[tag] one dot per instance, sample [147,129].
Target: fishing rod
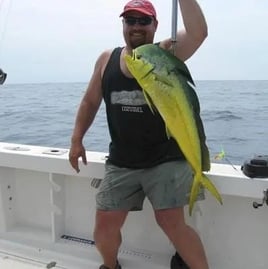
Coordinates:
[174,22]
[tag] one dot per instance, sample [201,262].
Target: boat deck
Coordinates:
[47,215]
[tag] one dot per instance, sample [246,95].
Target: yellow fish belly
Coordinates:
[173,106]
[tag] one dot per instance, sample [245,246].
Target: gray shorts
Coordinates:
[166,185]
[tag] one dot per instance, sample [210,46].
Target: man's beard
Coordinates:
[136,42]
[134,45]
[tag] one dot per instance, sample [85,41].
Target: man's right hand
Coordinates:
[77,150]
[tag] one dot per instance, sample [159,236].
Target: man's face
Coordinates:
[138,29]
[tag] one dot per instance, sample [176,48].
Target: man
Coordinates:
[142,160]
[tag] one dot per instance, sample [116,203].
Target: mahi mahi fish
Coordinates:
[168,88]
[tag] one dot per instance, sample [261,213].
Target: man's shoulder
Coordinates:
[108,52]
[104,59]
[105,55]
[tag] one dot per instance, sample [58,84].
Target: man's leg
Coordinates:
[107,234]
[184,238]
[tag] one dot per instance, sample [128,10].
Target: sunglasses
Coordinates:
[141,21]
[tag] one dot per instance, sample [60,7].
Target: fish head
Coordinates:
[139,63]
[151,58]
[148,59]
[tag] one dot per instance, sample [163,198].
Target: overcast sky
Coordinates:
[60,40]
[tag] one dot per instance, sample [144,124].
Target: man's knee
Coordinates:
[170,219]
[109,221]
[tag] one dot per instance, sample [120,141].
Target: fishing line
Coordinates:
[222,156]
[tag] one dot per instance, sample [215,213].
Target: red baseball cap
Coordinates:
[143,6]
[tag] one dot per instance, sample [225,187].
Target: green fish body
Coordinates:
[167,87]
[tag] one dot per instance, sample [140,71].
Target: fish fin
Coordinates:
[149,102]
[168,132]
[202,180]
[163,80]
[202,137]
[193,100]
[182,68]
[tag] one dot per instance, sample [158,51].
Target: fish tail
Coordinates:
[206,182]
[202,180]
[194,193]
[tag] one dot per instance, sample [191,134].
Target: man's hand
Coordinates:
[77,150]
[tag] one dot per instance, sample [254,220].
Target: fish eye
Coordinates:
[138,56]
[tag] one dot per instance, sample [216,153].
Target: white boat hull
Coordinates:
[47,216]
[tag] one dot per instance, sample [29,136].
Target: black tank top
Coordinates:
[138,137]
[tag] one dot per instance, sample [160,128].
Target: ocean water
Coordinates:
[234,113]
